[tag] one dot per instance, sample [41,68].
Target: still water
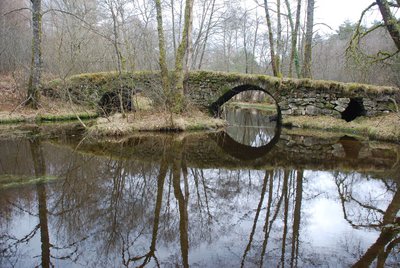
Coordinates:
[256,196]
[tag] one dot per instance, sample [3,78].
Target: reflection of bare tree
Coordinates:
[151,254]
[273,209]
[371,216]
[268,175]
[182,203]
[297,219]
[388,239]
[173,157]
[39,170]
[344,183]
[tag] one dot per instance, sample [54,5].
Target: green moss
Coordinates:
[12,120]
[258,106]
[329,106]
[66,117]
[13,181]
[195,127]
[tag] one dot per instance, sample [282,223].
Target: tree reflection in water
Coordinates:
[112,209]
[370,215]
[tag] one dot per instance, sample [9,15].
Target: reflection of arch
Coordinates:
[351,146]
[244,152]
[215,107]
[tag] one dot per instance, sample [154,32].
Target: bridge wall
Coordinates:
[294,96]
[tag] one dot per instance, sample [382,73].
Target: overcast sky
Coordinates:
[335,12]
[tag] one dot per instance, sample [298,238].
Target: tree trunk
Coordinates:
[173,26]
[308,39]
[178,97]
[162,51]
[253,52]
[279,42]
[207,34]
[189,47]
[275,67]
[294,27]
[36,64]
[118,54]
[391,23]
[246,56]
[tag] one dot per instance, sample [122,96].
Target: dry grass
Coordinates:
[49,110]
[13,110]
[148,120]
[385,127]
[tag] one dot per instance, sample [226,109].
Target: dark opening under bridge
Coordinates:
[293,96]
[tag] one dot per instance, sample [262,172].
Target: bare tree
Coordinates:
[36,65]
[175,99]
[308,39]
[274,57]
[294,27]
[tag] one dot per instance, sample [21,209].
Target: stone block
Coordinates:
[326,111]
[299,111]
[312,110]
[284,105]
[341,101]
[287,112]
[340,108]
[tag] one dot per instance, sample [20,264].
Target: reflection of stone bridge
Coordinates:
[216,150]
[294,97]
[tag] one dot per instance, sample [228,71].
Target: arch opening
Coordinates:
[354,109]
[253,132]
[215,107]
[110,101]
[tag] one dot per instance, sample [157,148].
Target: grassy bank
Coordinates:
[116,125]
[6,118]
[385,127]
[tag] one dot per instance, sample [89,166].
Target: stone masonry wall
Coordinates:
[294,96]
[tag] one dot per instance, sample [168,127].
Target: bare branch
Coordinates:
[88,25]
[17,10]
[356,35]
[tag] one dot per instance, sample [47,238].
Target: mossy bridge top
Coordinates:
[210,90]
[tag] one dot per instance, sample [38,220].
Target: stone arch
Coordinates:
[215,106]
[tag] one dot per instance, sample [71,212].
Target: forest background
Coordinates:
[81,36]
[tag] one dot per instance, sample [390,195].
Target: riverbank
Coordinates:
[384,127]
[146,118]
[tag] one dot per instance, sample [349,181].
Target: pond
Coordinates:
[256,196]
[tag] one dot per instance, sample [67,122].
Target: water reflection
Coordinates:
[166,201]
[251,127]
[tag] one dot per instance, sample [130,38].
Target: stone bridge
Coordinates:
[293,96]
